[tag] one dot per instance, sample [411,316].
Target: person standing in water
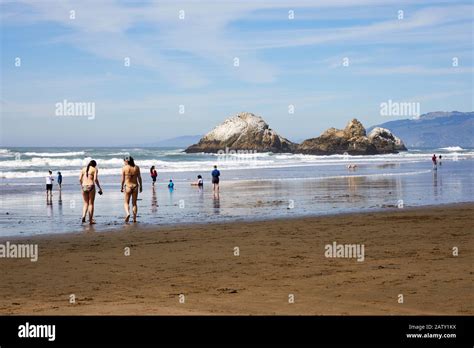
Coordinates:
[433,159]
[132,180]
[153,174]
[49,185]
[439,159]
[171,185]
[60,180]
[88,178]
[215,179]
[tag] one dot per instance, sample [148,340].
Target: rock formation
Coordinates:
[249,132]
[352,140]
[384,141]
[245,131]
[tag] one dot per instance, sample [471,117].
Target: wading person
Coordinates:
[60,180]
[215,179]
[132,180]
[435,164]
[88,179]
[49,185]
[153,174]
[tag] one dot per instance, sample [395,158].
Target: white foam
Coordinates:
[452,148]
[70,166]
[54,154]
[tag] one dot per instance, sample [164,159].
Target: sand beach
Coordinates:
[407,251]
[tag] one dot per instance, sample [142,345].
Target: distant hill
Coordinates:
[183,141]
[435,129]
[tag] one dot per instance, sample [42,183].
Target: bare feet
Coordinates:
[134,219]
[83,219]
[127,218]
[92,222]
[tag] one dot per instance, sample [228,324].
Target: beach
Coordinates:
[264,186]
[408,251]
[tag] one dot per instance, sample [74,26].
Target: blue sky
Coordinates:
[190,62]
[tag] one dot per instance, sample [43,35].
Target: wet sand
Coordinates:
[407,251]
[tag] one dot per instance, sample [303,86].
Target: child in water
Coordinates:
[60,180]
[199,182]
[171,185]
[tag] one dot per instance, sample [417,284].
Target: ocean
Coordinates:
[253,186]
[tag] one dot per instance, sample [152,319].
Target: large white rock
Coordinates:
[385,141]
[244,131]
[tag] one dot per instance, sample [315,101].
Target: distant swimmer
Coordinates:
[215,179]
[199,182]
[153,174]
[352,166]
[435,164]
[132,180]
[88,179]
[60,180]
[49,185]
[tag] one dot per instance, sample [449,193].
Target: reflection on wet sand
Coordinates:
[357,190]
[154,200]
[216,202]
[256,198]
[437,183]
[60,204]
[49,206]
[388,165]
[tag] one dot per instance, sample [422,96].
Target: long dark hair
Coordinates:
[91,164]
[130,161]
[152,169]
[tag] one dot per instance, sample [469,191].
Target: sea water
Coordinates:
[253,186]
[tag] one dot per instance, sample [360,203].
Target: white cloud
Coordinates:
[111,30]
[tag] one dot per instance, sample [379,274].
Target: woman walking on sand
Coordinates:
[132,180]
[88,179]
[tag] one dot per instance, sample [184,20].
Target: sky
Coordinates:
[153,70]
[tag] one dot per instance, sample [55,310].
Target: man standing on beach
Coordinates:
[49,185]
[215,179]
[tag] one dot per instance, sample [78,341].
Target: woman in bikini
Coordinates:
[132,180]
[88,179]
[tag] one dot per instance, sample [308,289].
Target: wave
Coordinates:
[119,154]
[452,148]
[6,153]
[234,161]
[54,154]
[65,173]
